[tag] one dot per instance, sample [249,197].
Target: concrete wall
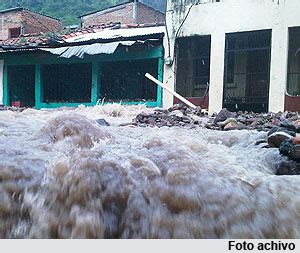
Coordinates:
[229,16]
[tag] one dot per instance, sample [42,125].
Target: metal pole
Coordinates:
[175,94]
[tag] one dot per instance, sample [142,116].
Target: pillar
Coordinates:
[160,78]
[1,81]
[279,63]
[95,83]
[38,87]
[217,72]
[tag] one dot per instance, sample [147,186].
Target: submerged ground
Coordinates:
[64,176]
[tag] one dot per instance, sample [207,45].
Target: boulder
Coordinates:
[231,126]
[275,139]
[288,168]
[290,149]
[102,122]
[288,125]
[227,121]
[281,129]
[176,113]
[223,115]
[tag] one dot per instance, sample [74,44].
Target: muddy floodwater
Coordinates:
[64,176]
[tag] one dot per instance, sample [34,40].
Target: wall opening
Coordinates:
[21,85]
[193,66]
[66,83]
[14,32]
[293,87]
[247,71]
[126,81]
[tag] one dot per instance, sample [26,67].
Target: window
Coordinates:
[14,32]
[67,83]
[293,87]
[193,65]
[126,81]
[247,71]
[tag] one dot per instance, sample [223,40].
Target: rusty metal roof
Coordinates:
[97,34]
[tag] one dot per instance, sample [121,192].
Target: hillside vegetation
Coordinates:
[69,10]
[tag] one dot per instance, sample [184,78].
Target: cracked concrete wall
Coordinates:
[230,16]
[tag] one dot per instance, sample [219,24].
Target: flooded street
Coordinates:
[64,176]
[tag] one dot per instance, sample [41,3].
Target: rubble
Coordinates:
[12,108]
[180,115]
[282,128]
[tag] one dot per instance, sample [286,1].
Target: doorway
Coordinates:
[247,71]
[21,85]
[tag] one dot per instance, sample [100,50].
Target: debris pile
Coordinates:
[177,115]
[180,115]
[11,108]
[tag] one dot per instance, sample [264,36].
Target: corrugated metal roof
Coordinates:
[117,33]
[80,51]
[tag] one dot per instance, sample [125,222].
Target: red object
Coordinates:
[292,103]
[195,100]
[16,103]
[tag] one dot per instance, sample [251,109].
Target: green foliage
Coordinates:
[69,10]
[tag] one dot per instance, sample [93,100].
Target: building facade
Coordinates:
[239,54]
[131,12]
[17,21]
[87,67]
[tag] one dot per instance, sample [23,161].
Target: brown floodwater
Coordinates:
[64,176]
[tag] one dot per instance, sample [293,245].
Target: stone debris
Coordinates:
[178,115]
[12,108]
[102,122]
[182,116]
[282,128]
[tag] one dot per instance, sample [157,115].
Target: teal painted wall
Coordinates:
[39,58]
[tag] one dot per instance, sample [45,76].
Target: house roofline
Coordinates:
[26,9]
[117,5]
[104,9]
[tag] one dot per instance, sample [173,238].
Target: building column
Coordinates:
[160,78]
[279,63]
[216,72]
[38,87]
[1,81]
[95,83]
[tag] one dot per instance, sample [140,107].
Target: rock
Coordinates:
[177,113]
[241,119]
[291,150]
[281,129]
[275,139]
[223,115]
[288,168]
[231,126]
[296,140]
[288,125]
[227,121]
[297,123]
[102,122]
[177,107]
[128,124]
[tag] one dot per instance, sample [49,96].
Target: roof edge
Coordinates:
[104,9]
[26,9]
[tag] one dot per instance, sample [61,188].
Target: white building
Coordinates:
[248,51]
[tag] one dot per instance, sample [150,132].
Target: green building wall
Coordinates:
[39,58]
